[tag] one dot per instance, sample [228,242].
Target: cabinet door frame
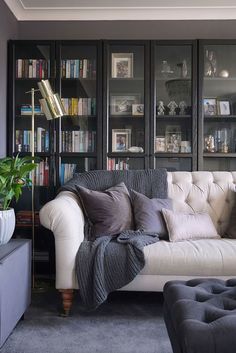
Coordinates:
[201,44]
[194,125]
[99,65]
[106,77]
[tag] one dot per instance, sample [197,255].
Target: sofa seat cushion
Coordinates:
[205,257]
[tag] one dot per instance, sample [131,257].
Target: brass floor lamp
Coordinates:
[52,107]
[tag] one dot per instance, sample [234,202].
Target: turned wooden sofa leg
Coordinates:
[67,298]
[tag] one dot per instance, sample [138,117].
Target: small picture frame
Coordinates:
[122,105]
[210,106]
[137,109]
[223,107]
[121,140]
[122,65]
[160,144]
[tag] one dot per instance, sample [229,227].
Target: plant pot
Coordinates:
[7,225]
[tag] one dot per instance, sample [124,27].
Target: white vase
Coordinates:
[7,225]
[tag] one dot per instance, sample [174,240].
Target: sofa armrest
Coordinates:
[64,217]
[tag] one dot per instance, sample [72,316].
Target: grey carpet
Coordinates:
[126,323]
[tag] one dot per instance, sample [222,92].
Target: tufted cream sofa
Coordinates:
[212,192]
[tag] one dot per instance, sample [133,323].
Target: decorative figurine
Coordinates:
[160,108]
[182,107]
[172,106]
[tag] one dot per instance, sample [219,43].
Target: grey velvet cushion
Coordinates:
[109,212]
[148,215]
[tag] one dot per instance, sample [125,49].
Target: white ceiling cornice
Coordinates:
[33,10]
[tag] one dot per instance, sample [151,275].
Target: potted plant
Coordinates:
[14,175]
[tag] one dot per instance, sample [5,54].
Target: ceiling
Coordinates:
[87,10]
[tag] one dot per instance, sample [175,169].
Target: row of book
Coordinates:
[78,68]
[32,68]
[117,164]
[80,106]
[24,218]
[67,172]
[78,141]
[24,139]
[41,173]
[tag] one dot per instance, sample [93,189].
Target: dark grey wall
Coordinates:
[8,30]
[127,30]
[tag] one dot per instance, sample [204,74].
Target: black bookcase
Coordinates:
[131,104]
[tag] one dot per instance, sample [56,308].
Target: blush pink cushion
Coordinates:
[182,226]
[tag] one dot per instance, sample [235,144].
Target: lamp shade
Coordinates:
[51,103]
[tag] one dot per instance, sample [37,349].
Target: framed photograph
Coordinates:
[160,144]
[210,106]
[223,107]
[121,140]
[137,109]
[122,65]
[122,105]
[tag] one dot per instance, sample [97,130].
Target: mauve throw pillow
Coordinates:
[182,226]
[148,215]
[109,211]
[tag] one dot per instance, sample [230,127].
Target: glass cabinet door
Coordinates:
[78,130]
[126,120]
[217,146]
[29,63]
[174,111]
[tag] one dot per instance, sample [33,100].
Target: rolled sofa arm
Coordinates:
[64,217]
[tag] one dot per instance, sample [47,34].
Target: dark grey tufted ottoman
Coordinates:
[200,315]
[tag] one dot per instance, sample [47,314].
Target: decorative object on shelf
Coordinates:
[135,149]
[224,74]
[182,108]
[160,144]
[179,90]
[222,140]
[53,108]
[210,65]
[122,65]
[121,140]
[122,105]
[210,106]
[165,69]
[14,175]
[137,109]
[223,107]
[172,106]
[160,108]
[209,143]
[185,147]
[183,69]
[173,138]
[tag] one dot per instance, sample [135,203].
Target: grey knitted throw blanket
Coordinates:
[110,263]
[150,182]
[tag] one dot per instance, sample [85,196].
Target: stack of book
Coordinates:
[26,109]
[78,68]
[80,106]
[32,68]
[24,218]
